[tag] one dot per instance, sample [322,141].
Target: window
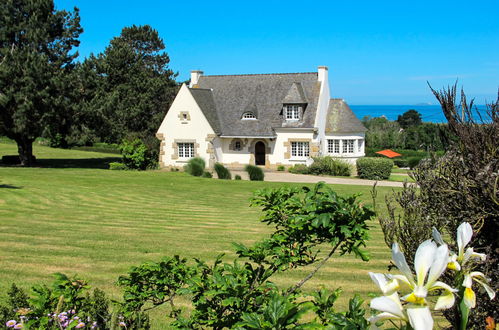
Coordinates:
[360,143]
[348,146]
[185,150]
[237,145]
[299,149]
[292,111]
[249,115]
[184,115]
[333,146]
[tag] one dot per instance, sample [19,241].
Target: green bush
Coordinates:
[281,168]
[222,172]
[374,168]
[401,162]
[136,155]
[237,177]
[330,166]
[195,166]
[299,169]
[255,173]
[207,175]
[412,162]
[117,166]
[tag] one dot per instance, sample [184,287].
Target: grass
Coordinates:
[71,216]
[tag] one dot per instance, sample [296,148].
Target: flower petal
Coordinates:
[439,264]
[445,301]
[487,288]
[399,260]
[452,263]
[424,259]
[467,282]
[472,254]
[436,236]
[441,285]
[383,316]
[420,318]
[389,304]
[464,233]
[469,298]
[387,286]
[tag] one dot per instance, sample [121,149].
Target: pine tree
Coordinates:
[35,58]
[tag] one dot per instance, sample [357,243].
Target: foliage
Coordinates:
[409,118]
[461,186]
[207,175]
[117,166]
[412,162]
[222,172]
[195,166]
[299,169]
[35,69]
[135,155]
[328,165]
[255,173]
[374,168]
[127,88]
[241,293]
[65,304]
[280,168]
[237,177]
[401,162]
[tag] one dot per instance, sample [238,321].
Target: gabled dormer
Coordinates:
[294,103]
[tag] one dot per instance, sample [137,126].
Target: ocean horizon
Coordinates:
[429,113]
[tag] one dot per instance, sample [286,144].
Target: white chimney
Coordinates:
[322,70]
[195,77]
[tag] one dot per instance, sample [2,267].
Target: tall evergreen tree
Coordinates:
[133,88]
[36,56]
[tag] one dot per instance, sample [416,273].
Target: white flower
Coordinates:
[430,262]
[469,295]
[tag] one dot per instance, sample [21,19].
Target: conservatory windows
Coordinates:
[344,146]
[348,146]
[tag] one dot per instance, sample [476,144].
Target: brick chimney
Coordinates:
[195,77]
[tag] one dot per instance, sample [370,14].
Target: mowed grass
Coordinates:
[97,223]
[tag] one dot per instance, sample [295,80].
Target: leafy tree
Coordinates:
[409,118]
[128,88]
[35,59]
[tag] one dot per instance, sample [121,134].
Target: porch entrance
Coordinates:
[259,153]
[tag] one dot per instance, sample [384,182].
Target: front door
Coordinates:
[259,153]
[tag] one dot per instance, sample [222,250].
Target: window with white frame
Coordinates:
[300,149]
[333,146]
[185,150]
[249,115]
[348,146]
[360,143]
[292,111]
[237,146]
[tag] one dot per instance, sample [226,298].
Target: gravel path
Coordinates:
[289,177]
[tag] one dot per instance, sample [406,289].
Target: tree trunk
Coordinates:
[25,150]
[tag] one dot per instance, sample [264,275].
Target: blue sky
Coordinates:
[378,52]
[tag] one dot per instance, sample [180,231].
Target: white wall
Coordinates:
[284,135]
[350,157]
[173,128]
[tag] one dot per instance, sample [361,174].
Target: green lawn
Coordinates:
[71,216]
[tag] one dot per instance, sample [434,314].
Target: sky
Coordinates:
[377,52]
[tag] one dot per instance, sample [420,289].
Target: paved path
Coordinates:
[289,177]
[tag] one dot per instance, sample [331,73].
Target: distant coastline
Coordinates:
[429,113]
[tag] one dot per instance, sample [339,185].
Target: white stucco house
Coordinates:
[259,119]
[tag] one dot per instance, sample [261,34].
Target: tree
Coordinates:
[35,58]
[409,118]
[133,87]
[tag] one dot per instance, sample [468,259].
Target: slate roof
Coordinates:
[341,119]
[262,94]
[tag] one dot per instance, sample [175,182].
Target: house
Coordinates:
[259,119]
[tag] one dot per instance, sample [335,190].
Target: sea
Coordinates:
[429,113]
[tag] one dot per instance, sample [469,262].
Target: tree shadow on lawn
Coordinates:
[95,163]
[8,186]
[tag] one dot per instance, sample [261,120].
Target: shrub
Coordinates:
[207,175]
[136,156]
[281,168]
[412,162]
[237,177]
[195,166]
[299,169]
[330,166]
[222,172]
[374,168]
[401,162]
[117,166]
[255,173]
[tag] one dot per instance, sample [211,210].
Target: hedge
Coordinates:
[373,168]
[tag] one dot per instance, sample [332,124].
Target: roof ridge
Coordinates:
[257,74]
[202,89]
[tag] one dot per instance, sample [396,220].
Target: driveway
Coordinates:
[289,177]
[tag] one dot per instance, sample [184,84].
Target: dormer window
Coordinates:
[292,111]
[249,115]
